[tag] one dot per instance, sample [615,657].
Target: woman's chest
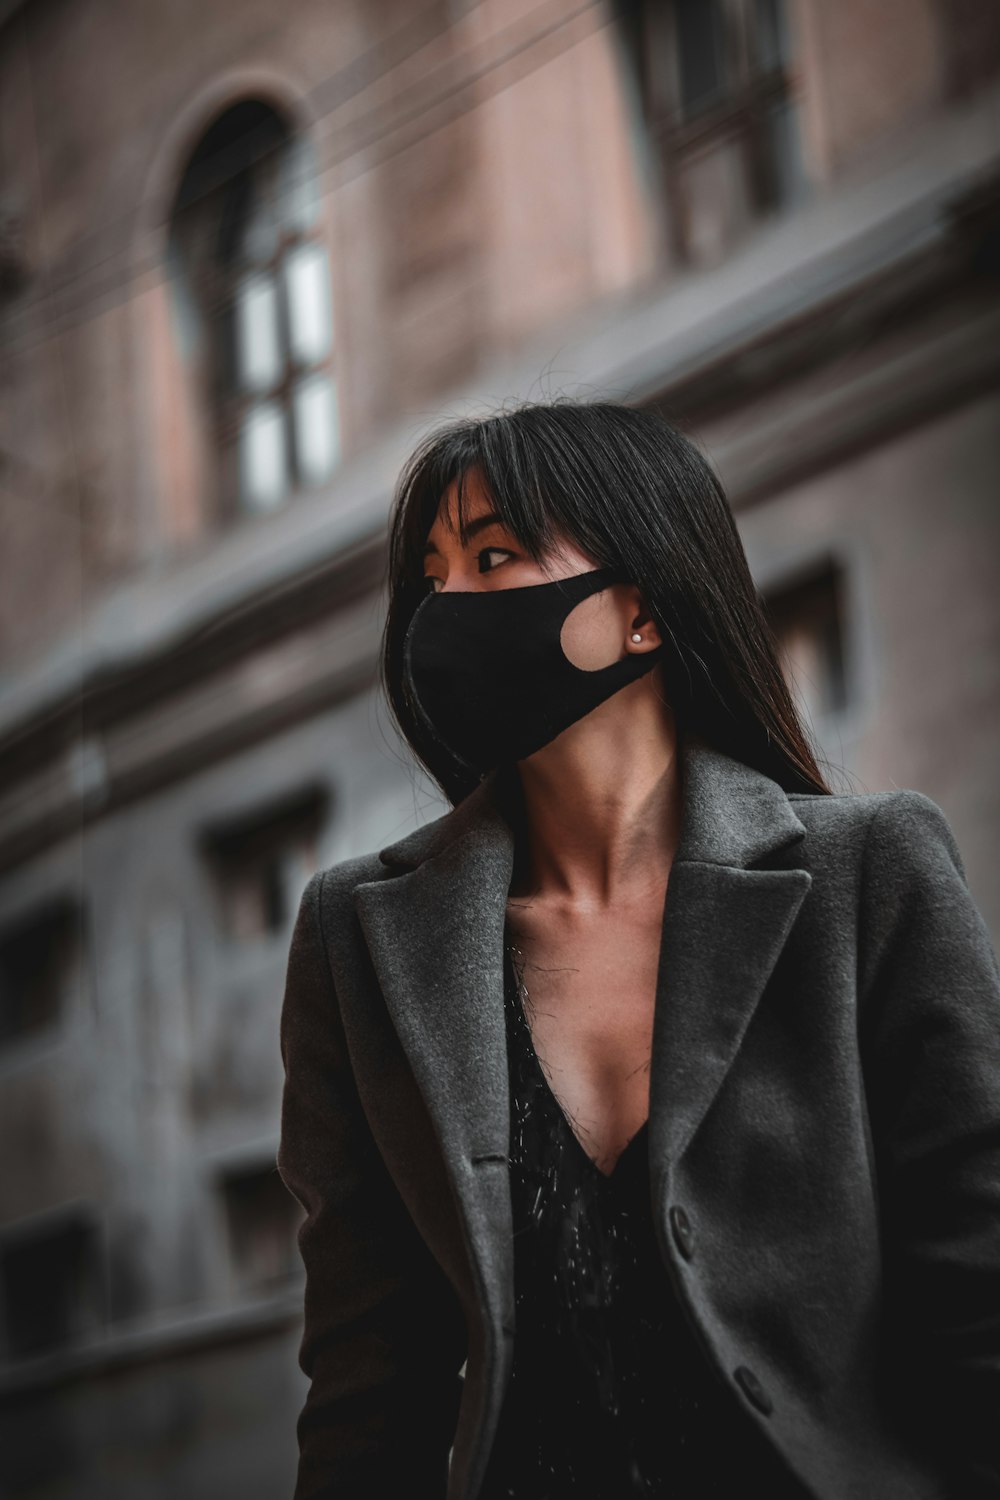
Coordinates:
[588,990]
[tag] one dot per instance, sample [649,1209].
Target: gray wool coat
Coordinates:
[824,1108]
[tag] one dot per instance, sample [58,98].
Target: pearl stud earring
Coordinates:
[637,637]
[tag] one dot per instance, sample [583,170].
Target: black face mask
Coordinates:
[489,677]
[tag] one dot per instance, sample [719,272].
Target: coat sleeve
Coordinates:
[930,1026]
[383,1339]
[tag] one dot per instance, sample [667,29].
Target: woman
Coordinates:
[645,1106]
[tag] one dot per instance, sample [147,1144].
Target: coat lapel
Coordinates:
[435,933]
[724,926]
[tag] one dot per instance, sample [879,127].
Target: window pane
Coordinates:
[316,427]
[658,62]
[299,193]
[307,281]
[258,349]
[51,1287]
[807,617]
[788,180]
[713,199]
[259,237]
[40,968]
[700,52]
[260,863]
[769,34]
[263,459]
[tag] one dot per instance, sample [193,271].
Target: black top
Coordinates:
[610,1393]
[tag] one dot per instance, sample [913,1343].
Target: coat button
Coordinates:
[753,1390]
[683,1234]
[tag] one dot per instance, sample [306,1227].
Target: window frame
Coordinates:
[741,112]
[266,169]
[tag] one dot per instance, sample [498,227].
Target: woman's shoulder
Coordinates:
[889,875]
[335,882]
[878,858]
[902,825]
[327,903]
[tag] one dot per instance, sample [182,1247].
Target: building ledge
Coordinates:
[176,1333]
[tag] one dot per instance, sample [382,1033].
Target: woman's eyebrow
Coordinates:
[475,526]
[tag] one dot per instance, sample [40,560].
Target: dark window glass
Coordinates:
[52,1287]
[261,862]
[807,618]
[769,35]
[701,54]
[41,960]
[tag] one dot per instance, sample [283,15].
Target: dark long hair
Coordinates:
[634,492]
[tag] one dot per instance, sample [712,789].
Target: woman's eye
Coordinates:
[501,552]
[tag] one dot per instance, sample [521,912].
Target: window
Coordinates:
[262,1218]
[807,618]
[41,967]
[253,307]
[52,1286]
[716,84]
[262,862]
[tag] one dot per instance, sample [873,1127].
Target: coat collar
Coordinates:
[435,930]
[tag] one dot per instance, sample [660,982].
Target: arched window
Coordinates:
[251,291]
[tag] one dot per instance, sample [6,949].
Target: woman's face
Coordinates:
[597,631]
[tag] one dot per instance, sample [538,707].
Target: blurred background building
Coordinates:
[249,252]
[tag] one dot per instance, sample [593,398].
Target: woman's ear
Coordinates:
[642,624]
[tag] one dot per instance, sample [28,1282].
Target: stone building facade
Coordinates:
[248,255]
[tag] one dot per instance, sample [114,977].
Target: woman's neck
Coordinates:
[597,811]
